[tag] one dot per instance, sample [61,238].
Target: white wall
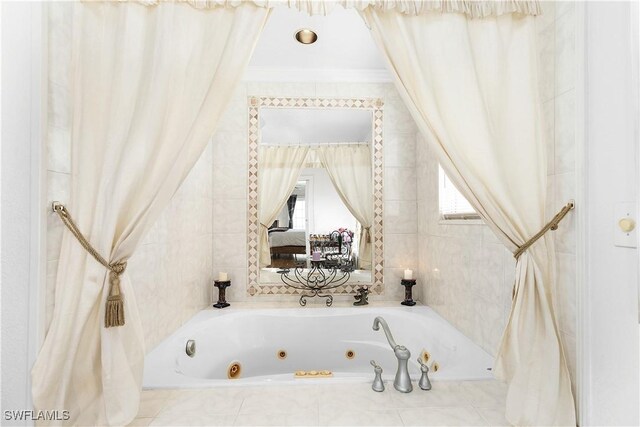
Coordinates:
[609,308]
[329,213]
[21,154]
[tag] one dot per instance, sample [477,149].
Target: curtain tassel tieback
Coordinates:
[114,313]
[552,225]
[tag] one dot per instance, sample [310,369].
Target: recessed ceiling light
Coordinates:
[306,36]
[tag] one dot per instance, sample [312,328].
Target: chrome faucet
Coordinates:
[378,384]
[402,381]
[424,382]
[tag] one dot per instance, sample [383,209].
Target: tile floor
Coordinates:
[466,403]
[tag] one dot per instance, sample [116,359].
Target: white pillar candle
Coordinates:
[408,274]
[223,277]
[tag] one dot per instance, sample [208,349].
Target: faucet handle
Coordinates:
[378,384]
[423,366]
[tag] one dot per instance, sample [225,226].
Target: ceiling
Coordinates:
[314,126]
[344,49]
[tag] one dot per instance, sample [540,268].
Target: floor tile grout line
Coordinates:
[482,417]
[235,418]
[400,416]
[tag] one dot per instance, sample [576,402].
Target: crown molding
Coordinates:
[321,75]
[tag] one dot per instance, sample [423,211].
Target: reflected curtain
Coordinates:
[149,85]
[349,167]
[291,207]
[471,86]
[278,170]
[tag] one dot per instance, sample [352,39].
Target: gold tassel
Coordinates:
[114,313]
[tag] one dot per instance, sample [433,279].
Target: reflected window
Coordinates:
[300,215]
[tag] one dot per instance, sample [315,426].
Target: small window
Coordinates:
[453,205]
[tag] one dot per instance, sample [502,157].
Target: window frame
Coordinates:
[466,218]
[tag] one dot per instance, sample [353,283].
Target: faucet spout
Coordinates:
[402,381]
[376,327]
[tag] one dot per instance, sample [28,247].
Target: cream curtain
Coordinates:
[349,167]
[471,87]
[149,87]
[278,170]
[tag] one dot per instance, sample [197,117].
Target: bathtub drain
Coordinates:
[350,354]
[234,370]
[282,354]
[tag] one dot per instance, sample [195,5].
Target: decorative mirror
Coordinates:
[315,196]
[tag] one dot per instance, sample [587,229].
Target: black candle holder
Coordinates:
[222,285]
[408,298]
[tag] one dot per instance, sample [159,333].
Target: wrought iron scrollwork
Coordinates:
[316,281]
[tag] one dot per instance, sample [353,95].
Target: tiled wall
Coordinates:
[467,274]
[558,68]
[58,146]
[230,182]
[171,271]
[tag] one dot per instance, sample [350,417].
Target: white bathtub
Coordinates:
[313,339]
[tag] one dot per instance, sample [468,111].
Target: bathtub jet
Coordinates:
[402,382]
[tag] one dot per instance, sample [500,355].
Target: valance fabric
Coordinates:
[470,8]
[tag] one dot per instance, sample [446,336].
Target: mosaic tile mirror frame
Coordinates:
[375,105]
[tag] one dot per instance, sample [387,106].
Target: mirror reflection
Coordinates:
[315,197]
